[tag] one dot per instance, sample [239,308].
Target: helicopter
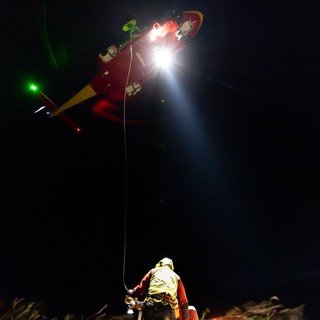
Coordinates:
[124,70]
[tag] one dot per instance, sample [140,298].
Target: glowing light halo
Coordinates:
[163,57]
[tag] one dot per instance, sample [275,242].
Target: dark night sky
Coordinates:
[226,184]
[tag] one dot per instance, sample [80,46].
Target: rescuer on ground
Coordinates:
[165,295]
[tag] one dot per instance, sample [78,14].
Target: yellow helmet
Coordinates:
[165,262]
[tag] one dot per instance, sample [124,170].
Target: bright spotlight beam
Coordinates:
[163,58]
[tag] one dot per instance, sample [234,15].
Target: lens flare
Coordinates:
[163,58]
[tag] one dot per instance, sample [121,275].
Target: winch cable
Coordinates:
[126,173]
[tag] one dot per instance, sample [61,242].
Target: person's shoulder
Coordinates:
[176,275]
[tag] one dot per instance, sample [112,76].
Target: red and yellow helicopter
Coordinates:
[124,70]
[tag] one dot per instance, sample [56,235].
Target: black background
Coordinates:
[226,184]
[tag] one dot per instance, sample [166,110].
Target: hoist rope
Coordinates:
[126,173]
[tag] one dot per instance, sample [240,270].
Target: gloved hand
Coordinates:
[135,304]
[132,304]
